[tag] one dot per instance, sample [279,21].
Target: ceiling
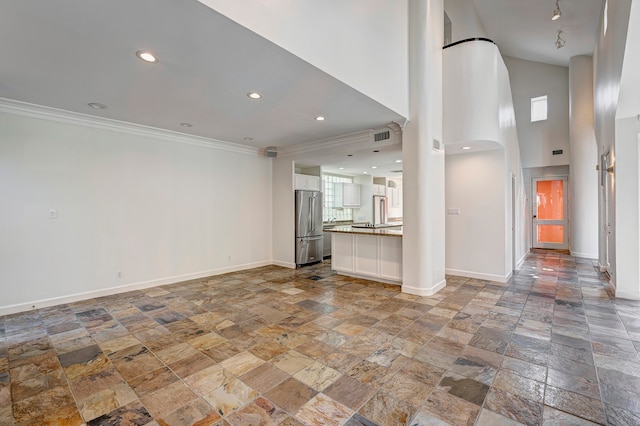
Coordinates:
[67,54]
[524,29]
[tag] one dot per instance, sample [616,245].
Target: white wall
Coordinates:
[517,231]
[152,208]
[608,60]
[471,102]
[362,43]
[474,184]
[483,241]
[627,212]
[465,22]
[583,190]
[540,138]
[283,212]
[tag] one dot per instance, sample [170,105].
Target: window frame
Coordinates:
[538,115]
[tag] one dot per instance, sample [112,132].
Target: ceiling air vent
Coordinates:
[382,136]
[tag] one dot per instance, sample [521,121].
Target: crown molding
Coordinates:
[11,106]
[362,137]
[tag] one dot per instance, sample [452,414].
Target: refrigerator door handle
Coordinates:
[383,210]
[311,238]
[312,213]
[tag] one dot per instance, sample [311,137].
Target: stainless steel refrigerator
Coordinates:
[379,209]
[308,227]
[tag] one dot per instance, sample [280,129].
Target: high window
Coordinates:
[539,108]
[329,211]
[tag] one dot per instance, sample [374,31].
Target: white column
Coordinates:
[423,253]
[583,157]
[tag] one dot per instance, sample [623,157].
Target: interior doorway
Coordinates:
[550,223]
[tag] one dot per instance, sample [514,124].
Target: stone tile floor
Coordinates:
[276,346]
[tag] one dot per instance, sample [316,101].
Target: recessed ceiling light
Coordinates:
[466,147]
[398,161]
[96,105]
[254,95]
[186,124]
[320,118]
[147,56]
[374,167]
[340,168]
[248,138]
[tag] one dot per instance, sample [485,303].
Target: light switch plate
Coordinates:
[453,212]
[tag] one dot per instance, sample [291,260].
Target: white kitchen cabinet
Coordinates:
[374,257]
[395,199]
[347,195]
[379,190]
[307,182]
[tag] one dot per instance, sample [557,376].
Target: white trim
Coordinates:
[522,259]
[478,275]
[425,292]
[627,295]
[44,303]
[368,278]
[339,141]
[289,265]
[591,256]
[602,268]
[10,106]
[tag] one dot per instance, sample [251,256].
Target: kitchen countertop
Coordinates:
[348,229]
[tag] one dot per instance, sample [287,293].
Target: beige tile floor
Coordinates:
[272,346]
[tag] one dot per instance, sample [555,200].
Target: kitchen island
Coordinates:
[370,253]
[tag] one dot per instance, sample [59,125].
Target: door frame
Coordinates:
[535,222]
[606,197]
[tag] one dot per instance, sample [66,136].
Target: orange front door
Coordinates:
[550,213]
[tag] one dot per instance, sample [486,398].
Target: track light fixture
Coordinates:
[556,13]
[560,42]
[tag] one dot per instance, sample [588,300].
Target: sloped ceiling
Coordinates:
[66,54]
[523,28]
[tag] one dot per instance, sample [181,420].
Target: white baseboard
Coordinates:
[633,295]
[76,297]
[591,256]
[479,275]
[284,264]
[520,262]
[420,291]
[368,277]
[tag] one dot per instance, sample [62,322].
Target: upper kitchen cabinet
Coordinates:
[347,195]
[379,190]
[307,182]
[395,197]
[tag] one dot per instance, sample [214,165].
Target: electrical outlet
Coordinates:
[118,275]
[228,258]
[53,214]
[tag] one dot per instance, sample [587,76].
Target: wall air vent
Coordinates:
[396,171]
[382,136]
